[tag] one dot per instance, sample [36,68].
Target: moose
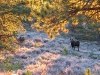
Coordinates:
[74,44]
[21,39]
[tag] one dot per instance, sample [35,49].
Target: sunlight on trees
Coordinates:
[53,15]
[11,15]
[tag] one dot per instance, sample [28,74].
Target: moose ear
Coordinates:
[71,39]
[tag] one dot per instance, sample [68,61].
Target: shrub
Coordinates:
[28,73]
[91,54]
[8,66]
[65,51]
[87,72]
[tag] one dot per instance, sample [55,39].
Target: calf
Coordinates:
[21,39]
[75,44]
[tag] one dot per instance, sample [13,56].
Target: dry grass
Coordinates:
[7,73]
[38,44]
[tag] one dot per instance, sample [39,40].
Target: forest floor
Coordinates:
[42,56]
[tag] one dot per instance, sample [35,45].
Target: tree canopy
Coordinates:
[57,13]
[51,15]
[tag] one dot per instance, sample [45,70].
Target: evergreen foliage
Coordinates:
[53,14]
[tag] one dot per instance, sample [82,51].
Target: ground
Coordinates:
[43,56]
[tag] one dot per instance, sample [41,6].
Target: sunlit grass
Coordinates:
[38,44]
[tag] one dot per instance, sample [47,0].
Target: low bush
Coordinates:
[87,72]
[28,73]
[65,51]
[7,64]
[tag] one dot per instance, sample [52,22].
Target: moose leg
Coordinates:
[78,48]
[74,48]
